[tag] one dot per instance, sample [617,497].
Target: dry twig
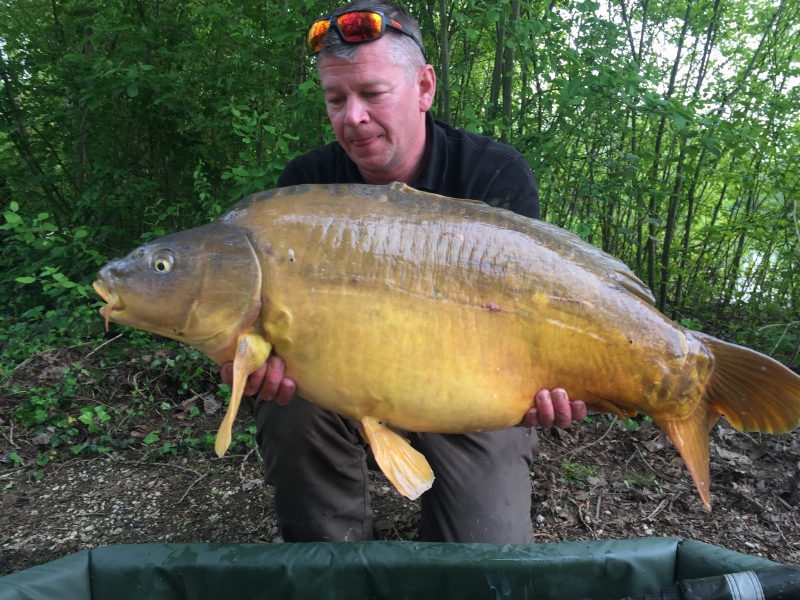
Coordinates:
[658,509]
[186,493]
[101,345]
[597,441]
[580,515]
[10,436]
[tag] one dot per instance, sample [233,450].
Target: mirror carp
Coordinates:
[407,310]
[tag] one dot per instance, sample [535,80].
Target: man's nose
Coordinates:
[355,112]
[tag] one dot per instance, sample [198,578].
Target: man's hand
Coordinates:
[553,407]
[268,381]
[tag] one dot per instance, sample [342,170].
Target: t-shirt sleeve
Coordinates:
[513,188]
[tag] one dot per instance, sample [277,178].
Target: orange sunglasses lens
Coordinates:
[357,26]
[316,35]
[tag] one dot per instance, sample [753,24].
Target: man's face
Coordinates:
[377,113]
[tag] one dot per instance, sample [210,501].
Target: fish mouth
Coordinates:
[112,299]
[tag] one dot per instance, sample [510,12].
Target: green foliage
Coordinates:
[577,472]
[646,480]
[15,459]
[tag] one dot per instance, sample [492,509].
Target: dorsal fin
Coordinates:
[634,285]
[407,189]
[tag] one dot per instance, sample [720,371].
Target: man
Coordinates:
[378,90]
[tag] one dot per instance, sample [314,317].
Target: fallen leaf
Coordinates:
[253,483]
[42,439]
[733,456]
[211,404]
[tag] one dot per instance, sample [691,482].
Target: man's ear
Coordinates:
[426,83]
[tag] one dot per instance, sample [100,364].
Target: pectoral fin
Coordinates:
[406,468]
[251,352]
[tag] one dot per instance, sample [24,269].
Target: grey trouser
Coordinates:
[317,462]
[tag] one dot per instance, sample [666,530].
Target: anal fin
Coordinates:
[406,468]
[690,436]
[251,352]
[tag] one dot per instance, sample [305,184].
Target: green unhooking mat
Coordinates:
[601,570]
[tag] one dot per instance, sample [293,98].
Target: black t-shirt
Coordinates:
[459,164]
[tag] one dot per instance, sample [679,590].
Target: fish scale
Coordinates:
[407,310]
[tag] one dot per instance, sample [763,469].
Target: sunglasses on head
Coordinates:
[354,27]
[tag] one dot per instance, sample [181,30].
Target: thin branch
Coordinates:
[614,420]
[186,493]
[10,436]
[101,345]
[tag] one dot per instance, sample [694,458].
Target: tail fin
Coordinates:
[754,392]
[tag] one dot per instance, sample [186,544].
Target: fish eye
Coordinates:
[162,262]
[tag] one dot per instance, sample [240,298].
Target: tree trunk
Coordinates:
[508,74]
[497,72]
[672,212]
[444,45]
[651,249]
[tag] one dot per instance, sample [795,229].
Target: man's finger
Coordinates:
[531,418]
[579,410]
[254,380]
[544,408]
[272,381]
[286,391]
[226,373]
[562,412]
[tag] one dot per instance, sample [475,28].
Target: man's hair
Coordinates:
[402,49]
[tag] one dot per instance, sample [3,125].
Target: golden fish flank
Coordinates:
[406,310]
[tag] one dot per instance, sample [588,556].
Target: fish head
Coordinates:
[201,286]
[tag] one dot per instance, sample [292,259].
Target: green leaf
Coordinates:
[14,206]
[14,458]
[680,121]
[81,233]
[711,145]
[25,279]
[587,6]
[150,438]
[133,90]
[12,217]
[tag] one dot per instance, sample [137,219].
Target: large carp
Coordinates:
[407,310]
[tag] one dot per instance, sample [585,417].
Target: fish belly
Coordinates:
[420,365]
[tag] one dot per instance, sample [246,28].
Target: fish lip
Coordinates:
[102,289]
[107,293]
